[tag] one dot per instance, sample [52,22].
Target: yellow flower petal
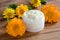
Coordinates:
[9,13]
[35,3]
[21,9]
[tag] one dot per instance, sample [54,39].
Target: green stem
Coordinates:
[8,19]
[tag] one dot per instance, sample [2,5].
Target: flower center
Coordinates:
[9,14]
[50,14]
[35,1]
[16,27]
[21,11]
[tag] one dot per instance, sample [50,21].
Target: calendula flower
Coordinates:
[51,12]
[21,9]
[16,27]
[9,13]
[35,3]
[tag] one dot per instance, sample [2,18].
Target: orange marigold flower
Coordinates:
[21,9]
[51,12]
[16,27]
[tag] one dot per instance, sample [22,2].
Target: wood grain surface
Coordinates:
[50,32]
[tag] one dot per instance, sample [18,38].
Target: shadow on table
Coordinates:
[6,36]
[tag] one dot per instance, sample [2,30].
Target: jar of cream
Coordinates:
[34,20]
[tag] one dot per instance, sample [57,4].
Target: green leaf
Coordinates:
[8,19]
[43,1]
[13,6]
[29,7]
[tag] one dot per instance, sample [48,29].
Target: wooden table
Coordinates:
[50,32]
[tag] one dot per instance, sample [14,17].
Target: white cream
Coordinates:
[34,20]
